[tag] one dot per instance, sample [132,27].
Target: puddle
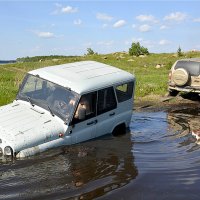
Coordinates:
[157,159]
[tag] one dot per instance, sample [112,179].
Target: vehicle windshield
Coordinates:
[56,99]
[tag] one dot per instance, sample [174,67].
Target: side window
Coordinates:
[124,91]
[106,100]
[86,108]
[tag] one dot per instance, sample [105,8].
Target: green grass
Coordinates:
[149,80]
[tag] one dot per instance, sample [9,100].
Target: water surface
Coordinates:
[157,159]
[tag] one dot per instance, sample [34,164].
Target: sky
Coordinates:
[34,28]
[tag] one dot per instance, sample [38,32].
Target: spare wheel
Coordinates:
[180,77]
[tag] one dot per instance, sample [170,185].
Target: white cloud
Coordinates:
[164,42]
[60,9]
[68,9]
[46,35]
[146,18]
[177,16]
[77,22]
[119,23]
[196,20]
[144,28]
[163,27]
[104,17]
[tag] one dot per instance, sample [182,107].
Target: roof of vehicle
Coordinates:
[190,59]
[84,76]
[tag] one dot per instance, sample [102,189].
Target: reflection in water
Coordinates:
[158,159]
[166,156]
[84,171]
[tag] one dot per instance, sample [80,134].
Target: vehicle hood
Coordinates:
[23,126]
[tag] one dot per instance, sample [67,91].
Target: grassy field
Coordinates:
[150,81]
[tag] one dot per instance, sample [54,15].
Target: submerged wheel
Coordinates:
[119,130]
[173,93]
[180,77]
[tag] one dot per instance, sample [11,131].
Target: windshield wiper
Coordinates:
[30,101]
[50,110]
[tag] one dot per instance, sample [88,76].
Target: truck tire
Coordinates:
[173,93]
[119,130]
[180,77]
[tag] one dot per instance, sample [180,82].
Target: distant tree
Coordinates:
[179,52]
[38,58]
[137,50]
[90,51]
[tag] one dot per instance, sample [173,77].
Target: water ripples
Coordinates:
[157,159]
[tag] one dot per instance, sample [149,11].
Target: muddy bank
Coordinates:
[167,103]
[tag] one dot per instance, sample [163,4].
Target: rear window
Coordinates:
[124,91]
[190,66]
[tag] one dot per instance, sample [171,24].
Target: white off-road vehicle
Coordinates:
[66,104]
[184,76]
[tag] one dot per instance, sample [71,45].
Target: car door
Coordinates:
[106,111]
[84,127]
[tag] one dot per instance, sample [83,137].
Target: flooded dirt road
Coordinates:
[157,159]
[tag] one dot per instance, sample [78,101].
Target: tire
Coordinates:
[119,130]
[180,77]
[173,93]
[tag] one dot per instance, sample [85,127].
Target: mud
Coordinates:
[168,103]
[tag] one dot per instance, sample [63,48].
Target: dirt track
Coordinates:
[168,103]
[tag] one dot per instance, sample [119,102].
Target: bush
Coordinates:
[137,50]
[90,51]
[179,52]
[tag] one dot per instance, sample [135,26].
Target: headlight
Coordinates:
[1,151]
[8,151]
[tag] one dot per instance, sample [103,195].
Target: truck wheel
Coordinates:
[173,93]
[119,130]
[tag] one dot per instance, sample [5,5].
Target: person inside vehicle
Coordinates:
[83,109]
[60,101]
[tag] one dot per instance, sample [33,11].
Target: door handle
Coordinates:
[92,122]
[111,114]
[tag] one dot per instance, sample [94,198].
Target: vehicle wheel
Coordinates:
[119,130]
[180,77]
[173,93]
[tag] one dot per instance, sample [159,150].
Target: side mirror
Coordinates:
[81,113]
